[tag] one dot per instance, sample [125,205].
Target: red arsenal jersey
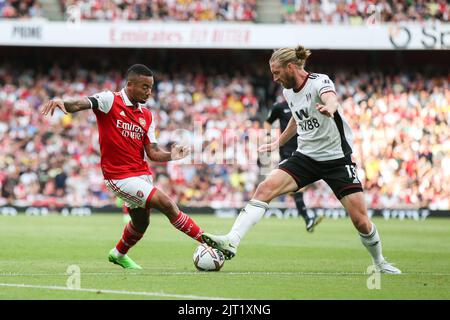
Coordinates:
[124,130]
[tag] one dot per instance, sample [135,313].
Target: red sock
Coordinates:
[129,238]
[184,223]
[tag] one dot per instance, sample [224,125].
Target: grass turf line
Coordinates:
[278,259]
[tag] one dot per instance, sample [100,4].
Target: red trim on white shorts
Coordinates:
[149,198]
[123,194]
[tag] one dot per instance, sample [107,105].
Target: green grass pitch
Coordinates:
[277,260]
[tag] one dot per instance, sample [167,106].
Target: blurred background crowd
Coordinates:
[163,10]
[400,122]
[353,12]
[400,116]
[23,9]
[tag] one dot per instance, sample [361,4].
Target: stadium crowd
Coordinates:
[400,123]
[357,12]
[162,10]
[20,9]
[353,12]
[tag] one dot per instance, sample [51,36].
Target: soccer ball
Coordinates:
[207,258]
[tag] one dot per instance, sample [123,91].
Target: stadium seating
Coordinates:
[356,12]
[400,124]
[16,9]
[163,10]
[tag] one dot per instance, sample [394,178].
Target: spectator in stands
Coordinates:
[18,9]
[357,12]
[401,120]
[163,10]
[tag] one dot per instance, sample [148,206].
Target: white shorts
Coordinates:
[135,191]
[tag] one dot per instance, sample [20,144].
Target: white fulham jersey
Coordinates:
[319,137]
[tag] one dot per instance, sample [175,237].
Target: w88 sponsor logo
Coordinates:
[309,124]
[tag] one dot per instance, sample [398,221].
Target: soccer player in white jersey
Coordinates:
[126,131]
[324,152]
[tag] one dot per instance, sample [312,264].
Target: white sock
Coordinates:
[372,242]
[117,253]
[248,217]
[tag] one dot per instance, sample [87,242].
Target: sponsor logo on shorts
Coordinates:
[140,194]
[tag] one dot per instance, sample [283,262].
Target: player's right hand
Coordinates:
[51,105]
[179,152]
[268,147]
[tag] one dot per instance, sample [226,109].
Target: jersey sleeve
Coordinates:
[286,95]
[324,84]
[102,101]
[274,114]
[151,132]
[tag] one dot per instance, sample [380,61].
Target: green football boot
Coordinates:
[124,261]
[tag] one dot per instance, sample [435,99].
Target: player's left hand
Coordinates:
[268,147]
[179,152]
[326,110]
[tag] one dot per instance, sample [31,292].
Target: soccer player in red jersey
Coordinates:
[126,131]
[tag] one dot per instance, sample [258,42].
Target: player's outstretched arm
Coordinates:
[330,104]
[155,153]
[66,106]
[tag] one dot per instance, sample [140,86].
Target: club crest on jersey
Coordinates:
[140,194]
[142,122]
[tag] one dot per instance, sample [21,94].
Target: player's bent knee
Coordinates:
[137,211]
[140,218]
[265,191]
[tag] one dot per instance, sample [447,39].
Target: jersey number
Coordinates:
[351,169]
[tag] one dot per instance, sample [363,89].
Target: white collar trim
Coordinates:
[125,98]
[127,101]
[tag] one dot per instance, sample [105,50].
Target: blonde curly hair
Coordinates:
[297,56]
